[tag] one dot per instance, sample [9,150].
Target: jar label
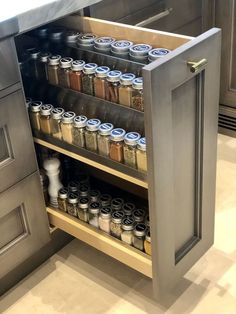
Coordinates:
[134,136]
[118,214]
[159,52]
[102,69]
[83,188]
[118,132]
[73,196]
[117,201]
[106,210]
[63,191]
[94,193]
[78,62]
[80,119]
[84,200]
[128,221]
[139,212]
[90,66]
[57,110]
[105,40]
[114,73]
[106,127]
[55,57]
[94,122]
[69,114]
[95,205]
[140,227]
[141,47]
[127,76]
[46,107]
[129,206]
[66,60]
[122,43]
[88,36]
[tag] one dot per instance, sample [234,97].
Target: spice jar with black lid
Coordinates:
[72,204]
[84,190]
[100,81]
[45,118]
[138,215]
[141,155]
[78,131]
[117,203]
[103,138]
[43,65]
[86,41]
[94,195]
[116,219]
[127,226]
[104,219]
[120,48]
[116,144]
[64,72]
[103,44]
[67,126]
[147,243]
[139,236]
[53,66]
[92,126]
[137,94]
[76,74]
[83,208]
[105,200]
[128,208]
[56,122]
[94,209]
[33,62]
[139,52]
[130,142]
[56,33]
[112,86]
[125,89]
[34,114]
[157,53]
[62,199]
[73,186]
[88,78]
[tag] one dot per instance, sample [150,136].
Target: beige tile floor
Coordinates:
[79,279]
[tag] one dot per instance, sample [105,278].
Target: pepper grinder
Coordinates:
[52,167]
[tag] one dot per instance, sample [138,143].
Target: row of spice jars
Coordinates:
[113,216]
[128,148]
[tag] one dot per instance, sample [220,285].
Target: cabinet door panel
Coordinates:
[181,130]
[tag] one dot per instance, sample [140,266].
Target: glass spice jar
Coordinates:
[94,209]
[125,89]
[104,219]
[116,144]
[147,221]
[72,204]
[71,36]
[137,94]
[43,65]
[128,208]
[45,118]
[147,243]
[92,126]
[56,33]
[141,155]
[130,142]
[94,195]
[103,44]
[78,131]
[139,236]
[73,186]
[76,75]
[117,203]
[115,225]
[34,114]
[88,78]
[84,190]
[86,41]
[138,215]
[56,122]
[100,81]
[103,138]
[64,72]
[53,66]
[105,200]
[112,86]
[127,227]
[67,125]
[83,212]
[33,62]
[62,199]
[157,53]
[139,52]
[120,48]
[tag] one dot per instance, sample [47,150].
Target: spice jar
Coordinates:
[105,200]
[53,66]
[86,41]
[115,224]
[139,52]
[137,94]
[28,101]
[125,89]
[139,236]
[117,203]
[56,122]
[78,131]
[83,213]
[88,78]
[94,195]
[127,227]
[112,86]
[72,204]
[73,186]
[130,142]
[104,219]
[157,53]
[56,33]
[43,65]
[76,75]
[33,62]
[34,114]
[100,81]
[120,48]
[103,44]
[92,126]
[45,118]
[103,138]
[71,36]
[141,155]
[128,208]
[94,209]
[67,125]
[139,215]
[62,199]
[84,190]
[116,144]
[64,72]
[147,221]
[147,243]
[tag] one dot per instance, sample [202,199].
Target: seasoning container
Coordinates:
[94,195]
[139,215]
[157,53]
[78,131]
[34,114]
[147,243]
[104,219]
[72,204]
[100,81]
[73,186]
[125,89]
[141,155]
[103,44]
[115,224]
[130,142]
[103,138]
[137,94]
[76,74]
[127,226]
[147,221]
[112,86]
[92,127]
[53,66]
[105,200]
[120,48]
[117,203]
[56,122]
[71,36]
[62,199]
[128,208]
[83,213]
[43,65]
[33,62]
[94,209]
[86,41]
[64,72]
[84,190]
[67,125]
[139,52]
[139,236]
[45,118]
[28,102]
[56,33]
[116,144]
[88,78]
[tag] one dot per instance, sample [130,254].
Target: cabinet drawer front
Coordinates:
[17,157]
[23,223]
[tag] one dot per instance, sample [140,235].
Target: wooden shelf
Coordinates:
[101,241]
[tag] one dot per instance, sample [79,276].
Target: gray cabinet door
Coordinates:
[181,110]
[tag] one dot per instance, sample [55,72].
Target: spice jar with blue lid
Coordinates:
[103,44]
[103,138]
[71,36]
[78,131]
[116,144]
[137,94]
[112,86]
[86,41]
[100,81]
[130,143]
[157,53]
[141,155]
[67,125]
[125,89]
[92,126]
[88,78]
[120,48]
[139,52]
[56,122]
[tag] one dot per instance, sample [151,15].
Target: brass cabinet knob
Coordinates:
[196,65]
